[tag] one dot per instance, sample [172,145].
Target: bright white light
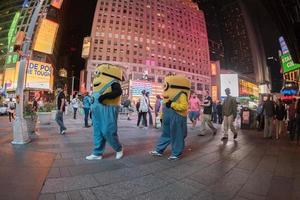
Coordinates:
[230,81]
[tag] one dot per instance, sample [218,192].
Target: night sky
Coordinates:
[77,23]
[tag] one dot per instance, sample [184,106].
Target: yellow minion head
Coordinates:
[175,84]
[104,74]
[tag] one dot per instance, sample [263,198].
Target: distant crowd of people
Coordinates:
[283,117]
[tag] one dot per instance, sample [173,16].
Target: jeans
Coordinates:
[75,112]
[144,115]
[279,128]
[150,118]
[86,116]
[60,121]
[11,115]
[206,120]
[268,127]
[228,123]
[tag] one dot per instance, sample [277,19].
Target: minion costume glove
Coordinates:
[168,104]
[101,98]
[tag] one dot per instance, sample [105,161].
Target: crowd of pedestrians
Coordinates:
[277,118]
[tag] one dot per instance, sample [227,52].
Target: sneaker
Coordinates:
[63,132]
[235,136]
[93,157]
[224,138]
[155,153]
[119,154]
[173,158]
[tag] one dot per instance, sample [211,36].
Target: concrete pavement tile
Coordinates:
[230,184]
[268,163]
[54,173]
[251,196]
[131,188]
[179,172]
[281,188]
[115,176]
[63,163]
[259,183]
[55,185]
[64,172]
[94,168]
[61,196]
[175,191]
[88,194]
[213,173]
[47,197]
[74,195]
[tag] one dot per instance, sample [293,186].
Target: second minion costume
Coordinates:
[175,107]
[105,100]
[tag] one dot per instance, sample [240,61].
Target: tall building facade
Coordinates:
[243,50]
[152,37]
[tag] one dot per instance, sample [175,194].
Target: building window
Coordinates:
[207,87]
[199,86]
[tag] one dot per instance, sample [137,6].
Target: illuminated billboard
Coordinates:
[230,81]
[136,88]
[39,76]
[86,47]
[287,63]
[45,36]
[56,3]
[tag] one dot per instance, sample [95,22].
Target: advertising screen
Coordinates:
[11,77]
[136,88]
[45,36]
[230,81]
[56,3]
[86,47]
[39,75]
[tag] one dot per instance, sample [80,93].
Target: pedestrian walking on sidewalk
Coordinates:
[207,112]
[143,110]
[61,104]
[194,109]
[87,108]
[269,115]
[75,104]
[11,109]
[229,112]
[219,112]
[281,115]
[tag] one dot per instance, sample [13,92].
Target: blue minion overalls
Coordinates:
[174,130]
[105,125]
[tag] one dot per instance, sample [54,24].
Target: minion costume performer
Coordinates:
[175,107]
[105,100]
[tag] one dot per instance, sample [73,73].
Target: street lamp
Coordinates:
[20,134]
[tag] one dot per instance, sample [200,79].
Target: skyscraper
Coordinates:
[151,37]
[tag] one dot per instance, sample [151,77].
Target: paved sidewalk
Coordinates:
[52,166]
